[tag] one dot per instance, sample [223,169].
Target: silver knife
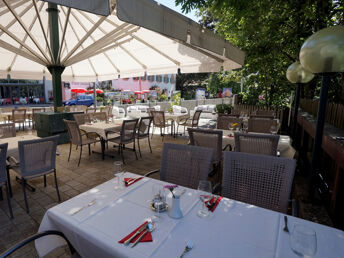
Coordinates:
[143,227]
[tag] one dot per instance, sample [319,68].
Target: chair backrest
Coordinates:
[106,109]
[265,113]
[207,138]
[185,165]
[18,115]
[223,122]
[37,156]
[150,110]
[195,118]
[144,126]
[3,155]
[128,130]
[37,110]
[8,130]
[262,116]
[91,110]
[260,180]
[82,118]
[101,116]
[265,144]
[158,118]
[261,125]
[74,131]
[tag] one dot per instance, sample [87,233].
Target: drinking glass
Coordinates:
[118,173]
[303,241]
[204,189]
[273,129]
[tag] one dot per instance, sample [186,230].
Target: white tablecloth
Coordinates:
[234,230]
[102,127]
[176,117]
[12,149]
[284,144]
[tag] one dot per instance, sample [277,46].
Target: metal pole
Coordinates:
[319,130]
[94,95]
[56,70]
[296,108]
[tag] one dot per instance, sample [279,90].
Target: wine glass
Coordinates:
[303,241]
[273,129]
[118,173]
[204,189]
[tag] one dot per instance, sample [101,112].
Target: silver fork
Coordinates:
[188,247]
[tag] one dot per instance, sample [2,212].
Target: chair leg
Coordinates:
[1,196]
[45,180]
[122,154]
[9,201]
[25,197]
[138,144]
[57,188]
[152,132]
[80,155]
[135,151]
[149,144]
[89,149]
[70,150]
[9,181]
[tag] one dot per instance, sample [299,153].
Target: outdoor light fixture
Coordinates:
[298,75]
[323,54]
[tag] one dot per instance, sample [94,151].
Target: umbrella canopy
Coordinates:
[97,91]
[138,36]
[138,92]
[78,90]
[146,91]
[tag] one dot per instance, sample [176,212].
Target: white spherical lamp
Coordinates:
[296,73]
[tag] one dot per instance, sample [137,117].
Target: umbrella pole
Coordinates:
[56,69]
[296,109]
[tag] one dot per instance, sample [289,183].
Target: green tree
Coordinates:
[271,34]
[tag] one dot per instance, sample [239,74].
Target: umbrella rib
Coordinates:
[92,49]
[133,57]
[14,37]
[30,27]
[83,38]
[41,24]
[26,30]
[20,52]
[64,33]
[13,6]
[98,44]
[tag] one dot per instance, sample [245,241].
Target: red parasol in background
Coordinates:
[97,91]
[78,90]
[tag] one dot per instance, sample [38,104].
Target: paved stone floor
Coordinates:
[73,180]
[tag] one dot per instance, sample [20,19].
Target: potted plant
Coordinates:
[100,101]
[222,109]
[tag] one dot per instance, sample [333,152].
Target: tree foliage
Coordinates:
[271,33]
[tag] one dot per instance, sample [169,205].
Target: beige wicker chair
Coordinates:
[259,180]
[261,125]
[82,118]
[37,158]
[108,111]
[77,139]
[160,122]
[100,116]
[265,144]
[127,135]
[90,110]
[4,175]
[190,122]
[19,116]
[143,131]
[150,110]
[184,165]
[223,122]
[7,130]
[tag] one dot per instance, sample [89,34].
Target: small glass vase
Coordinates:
[175,212]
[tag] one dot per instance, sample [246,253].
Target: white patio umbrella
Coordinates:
[138,36]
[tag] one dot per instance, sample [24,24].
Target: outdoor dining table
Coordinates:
[175,118]
[284,144]
[101,128]
[234,229]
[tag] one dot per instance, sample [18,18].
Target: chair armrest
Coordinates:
[34,237]
[229,146]
[152,172]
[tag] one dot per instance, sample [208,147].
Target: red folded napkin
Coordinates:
[129,181]
[146,238]
[229,135]
[211,203]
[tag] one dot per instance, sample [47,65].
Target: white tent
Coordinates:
[139,36]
